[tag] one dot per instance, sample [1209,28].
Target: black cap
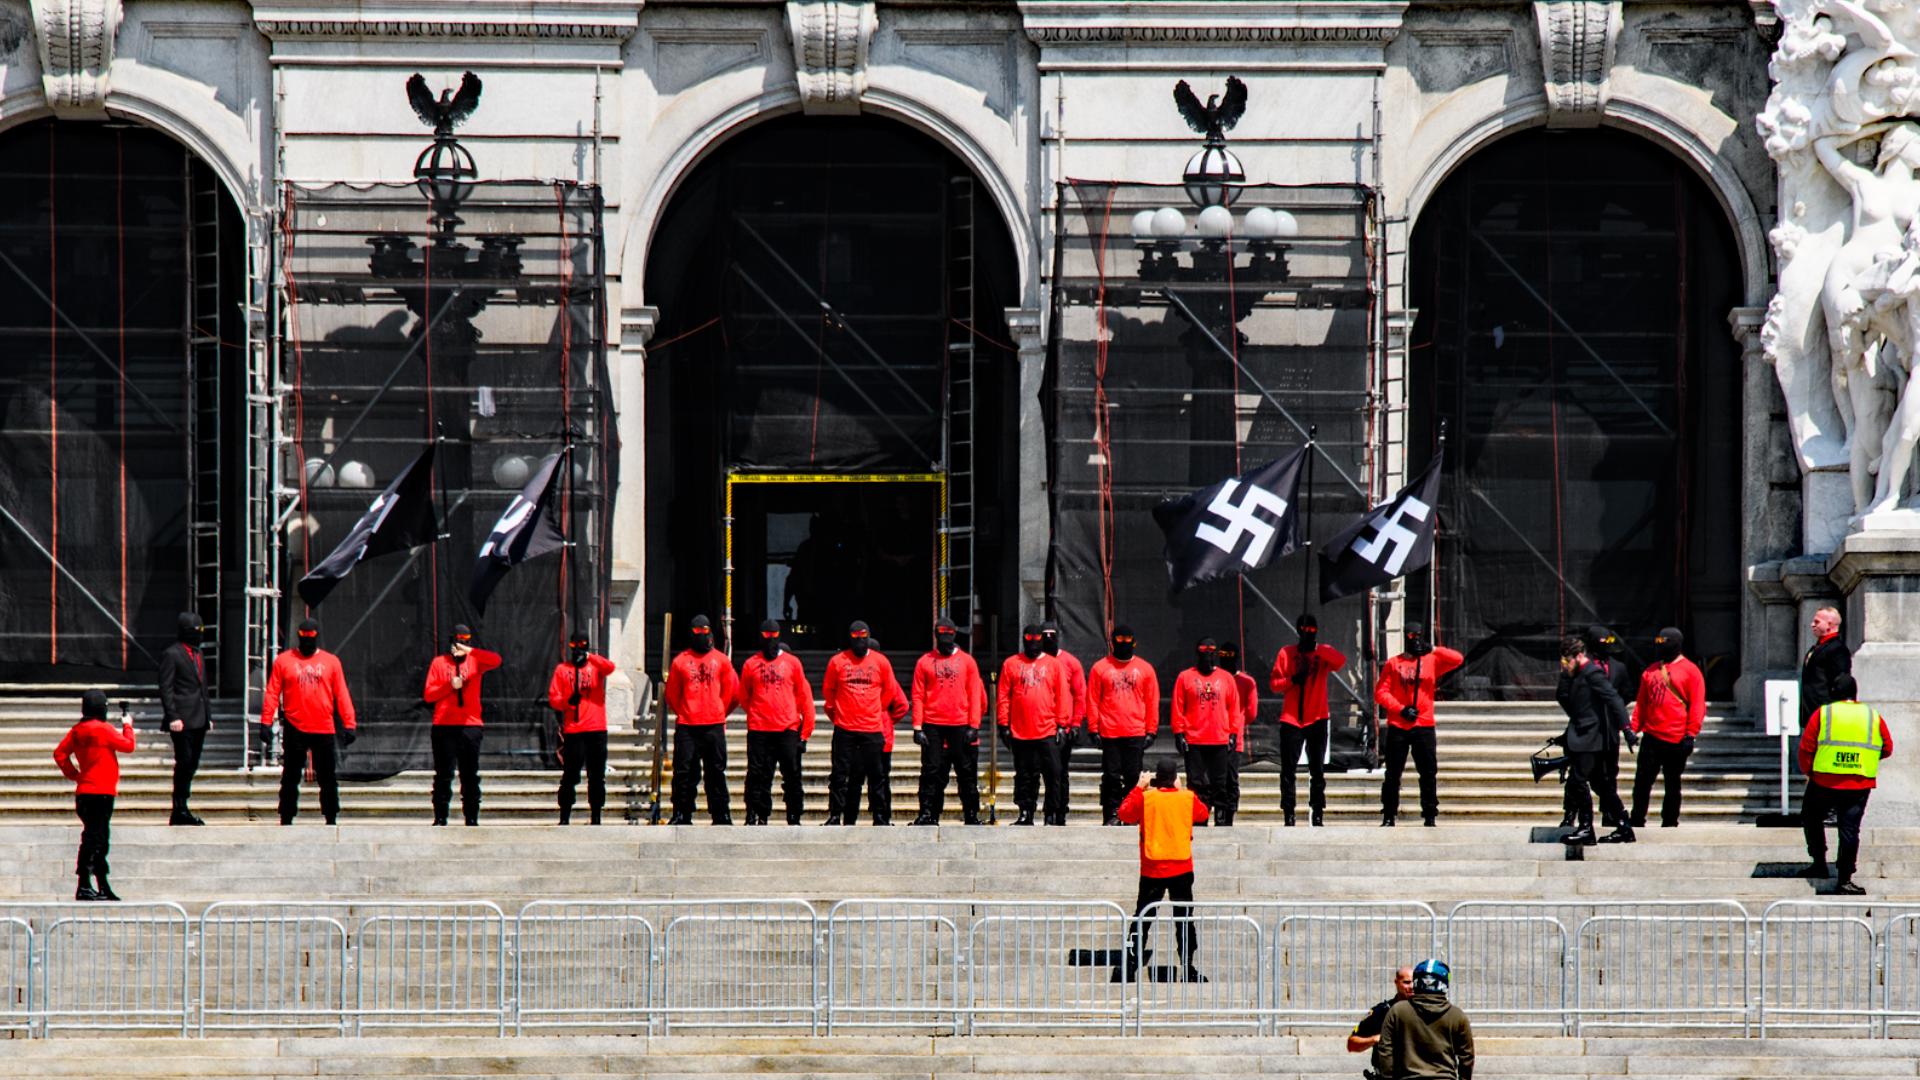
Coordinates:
[946,624]
[189,621]
[1122,630]
[859,628]
[700,623]
[1306,622]
[1030,630]
[1049,627]
[1166,771]
[93,705]
[770,626]
[1415,629]
[462,633]
[1672,634]
[1206,643]
[579,637]
[309,628]
[1230,646]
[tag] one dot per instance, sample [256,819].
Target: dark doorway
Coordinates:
[1572,290]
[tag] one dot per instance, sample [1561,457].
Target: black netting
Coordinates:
[1170,372]
[515,360]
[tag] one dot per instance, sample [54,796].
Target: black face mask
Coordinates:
[702,643]
[1030,648]
[1050,644]
[859,646]
[1666,650]
[1206,662]
[1122,650]
[191,633]
[1418,646]
[770,647]
[578,655]
[1308,639]
[1230,661]
[308,645]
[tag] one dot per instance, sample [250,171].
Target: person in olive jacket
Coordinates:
[1594,710]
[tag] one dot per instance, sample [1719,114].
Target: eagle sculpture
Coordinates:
[1219,113]
[452,107]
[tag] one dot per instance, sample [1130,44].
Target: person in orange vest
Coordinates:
[1077,715]
[96,780]
[578,693]
[1208,723]
[700,690]
[1668,712]
[948,701]
[1405,691]
[1300,674]
[864,700]
[1034,702]
[1123,712]
[1841,748]
[778,702]
[453,688]
[1166,816]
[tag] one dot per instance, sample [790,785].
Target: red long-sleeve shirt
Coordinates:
[1249,705]
[1660,711]
[701,688]
[1034,696]
[1123,700]
[1395,689]
[1133,809]
[458,708]
[1076,687]
[1206,708]
[306,692]
[97,744]
[947,691]
[591,713]
[1303,705]
[776,695]
[862,693]
[1810,742]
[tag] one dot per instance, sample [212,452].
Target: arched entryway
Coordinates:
[831,379]
[1572,292]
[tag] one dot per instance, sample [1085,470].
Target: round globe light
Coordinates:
[356,474]
[579,474]
[319,473]
[1261,224]
[1216,222]
[511,472]
[1143,225]
[1169,223]
[1287,226]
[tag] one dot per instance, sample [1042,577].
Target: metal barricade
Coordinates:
[1333,961]
[443,964]
[17,955]
[1216,983]
[1049,966]
[1819,962]
[1662,970]
[583,964]
[267,966]
[751,964]
[1899,952]
[1510,971]
[896,964]
[113,969]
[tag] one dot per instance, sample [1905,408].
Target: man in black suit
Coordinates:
[183,699]
[1826,661]
[1604,650]
[1593,708]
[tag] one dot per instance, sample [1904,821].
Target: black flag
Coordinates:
[1239,524]
[529,527]
[1389,541]
[402,518]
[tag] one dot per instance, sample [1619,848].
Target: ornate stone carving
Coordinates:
[76,52]
[830,40]
[1576,57]
[1844,322]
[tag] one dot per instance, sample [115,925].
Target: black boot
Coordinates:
[1025,818]
[1386,821]
[832,819]
[1566,820]
[438,819]
[1622,834]
[682,819]
[1580,837]
[925,819]
[974,819]
[1316,819]
[595,820]
[566,815]
[1194,976]
[85,891]
[793,819]
[1224,819]
[1112,819]
[723,819]
[1846,887]
[105,890]
[1429,822]
[1289,821]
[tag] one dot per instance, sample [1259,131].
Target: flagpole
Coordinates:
[1433,566]
[1306,513]
[446,521]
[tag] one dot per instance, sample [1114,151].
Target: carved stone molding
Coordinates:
[1577,38]
[525,20]
[830,42]
[76,53]
[1211,22]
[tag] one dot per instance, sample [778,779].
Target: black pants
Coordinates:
[456,746]
[700,755]
[584,750]
[1313,739]
[1658,756]
[95,812]
[295,746]
[1587,771]
[1178,889]
[1396,744]
[955,747]
[186,761]
[1213,773]
[767,750]
[1120,763]
[860,757]
[1849,806]
[1036,762]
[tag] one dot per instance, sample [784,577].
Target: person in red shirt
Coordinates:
[578,693]
[307,690]
[1077,720]
[1166,816]
[1667,714]
[96,780]
[1300,675]
[1405,691]
[864,700]
[779,704]
[1123,712]
[453,689]
[948,701]
[1208,722]
[701,690]
[1034,703]
[1844,794]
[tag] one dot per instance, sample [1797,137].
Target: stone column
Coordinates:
[1027,325]
[1878,572]
[626,604]
[1777,585]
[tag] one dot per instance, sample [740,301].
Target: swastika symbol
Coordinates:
[1243,519]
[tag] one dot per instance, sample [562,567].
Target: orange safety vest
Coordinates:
[1166,825]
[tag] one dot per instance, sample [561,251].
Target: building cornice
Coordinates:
[565,20]
[1210,22]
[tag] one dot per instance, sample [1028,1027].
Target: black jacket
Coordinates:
[1594,710]
[1825,662]
[1626,683]
[183,693]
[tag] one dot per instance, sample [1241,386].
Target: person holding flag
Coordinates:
[1123,713]
[1300,674]
[307,689]
[1208,722]
[1405,690]
[700,690]
[578,693]
[948,701]
[1033,705]
[779,707]
[453,689]
[864,700]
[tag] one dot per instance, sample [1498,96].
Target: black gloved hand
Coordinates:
[975,740]
[1300,678]
[1686,745]
[347,736]
[1410,713]
[803,746]
[1152,737]
[574,699]
[1063,736]
[1633,740]
[919,737]
[1180,743]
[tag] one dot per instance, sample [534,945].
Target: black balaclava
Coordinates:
[1123,643]
[307,637]
[1206,654]
[1602,643]
[946,637]
[1309,630]
[462,635]
[1667,644]
[191,631]
[1050,637]
[702,635]
[770,639]
[1030,641]
[859,638]
[1230,657]
[577,647]
[93,705]
[1417,643]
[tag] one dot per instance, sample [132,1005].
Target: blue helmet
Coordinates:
[1431,977]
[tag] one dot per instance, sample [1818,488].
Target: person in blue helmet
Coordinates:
[1425,1037]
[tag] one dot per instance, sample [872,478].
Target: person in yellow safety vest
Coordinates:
[1166,816]
[1841,748]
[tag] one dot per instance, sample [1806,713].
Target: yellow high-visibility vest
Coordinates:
[1849,740]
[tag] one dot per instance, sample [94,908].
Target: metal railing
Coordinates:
[583,964]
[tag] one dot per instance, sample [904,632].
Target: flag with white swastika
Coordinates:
[1389,541]
[1239,524]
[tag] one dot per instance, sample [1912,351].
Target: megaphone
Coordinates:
[1543,763]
